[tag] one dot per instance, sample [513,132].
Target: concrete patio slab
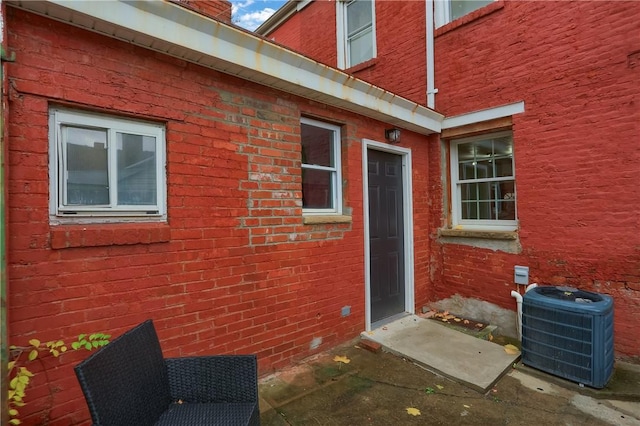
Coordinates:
[377,389]
[473,362]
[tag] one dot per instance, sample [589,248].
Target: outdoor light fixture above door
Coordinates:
[392,135]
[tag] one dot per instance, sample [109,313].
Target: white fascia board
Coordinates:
[280,16]
[183,33]
[483,115]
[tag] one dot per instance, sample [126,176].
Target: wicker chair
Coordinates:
[128,382]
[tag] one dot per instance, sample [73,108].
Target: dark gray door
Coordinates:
[386,234]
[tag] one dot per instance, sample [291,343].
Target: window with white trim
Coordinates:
[356,32]
[321,175]
[450,10]
[483,182]
[105,167]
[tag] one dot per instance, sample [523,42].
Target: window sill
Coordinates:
[99,235]
[485,235]
[362,66]
[325,219]
[505,241]
[463,20]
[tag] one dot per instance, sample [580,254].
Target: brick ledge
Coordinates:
[99,235]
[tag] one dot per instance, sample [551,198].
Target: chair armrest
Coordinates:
[220,378]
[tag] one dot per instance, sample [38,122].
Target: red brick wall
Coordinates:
[576,154]
[219,9]
[311,31]
[234,270]
[400,41]
[290,36]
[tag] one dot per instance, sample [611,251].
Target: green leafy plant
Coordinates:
[19,374]
[90,342]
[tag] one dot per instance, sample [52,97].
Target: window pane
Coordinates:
[317,145]
[485,210]
[504,167]
[466,151]
[469,191]
[484,169]
[484,191]
[507,210]
[503,146]
[358,16]
[462,7]
[136,169]
[317,189]
[87,177]
[361,48]
[467,171]
[469,210]
[483,149]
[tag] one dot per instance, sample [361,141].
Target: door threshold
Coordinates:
[387,320]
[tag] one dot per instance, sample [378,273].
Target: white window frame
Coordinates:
[456,192]
[341,32]
[335,169]
[442,12]
[61,213]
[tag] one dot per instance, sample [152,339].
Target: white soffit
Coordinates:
[169,28]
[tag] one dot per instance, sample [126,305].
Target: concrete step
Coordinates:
[474,362]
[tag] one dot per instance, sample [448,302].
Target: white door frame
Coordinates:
[405,153]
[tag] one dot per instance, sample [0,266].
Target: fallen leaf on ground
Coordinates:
[467,406]
[511,350]
[479,325]
[457,319]
[490,337]
[440,387]
[413,411]
[342,359]
[466,321]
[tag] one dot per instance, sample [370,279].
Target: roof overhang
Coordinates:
[171,29]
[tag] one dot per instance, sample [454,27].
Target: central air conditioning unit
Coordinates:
[568,333]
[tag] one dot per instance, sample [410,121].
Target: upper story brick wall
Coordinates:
[219,9]
[311,31]
[400,33]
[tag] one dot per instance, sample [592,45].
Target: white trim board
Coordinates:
[483,115]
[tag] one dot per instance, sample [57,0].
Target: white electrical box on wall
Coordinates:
[521,275]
